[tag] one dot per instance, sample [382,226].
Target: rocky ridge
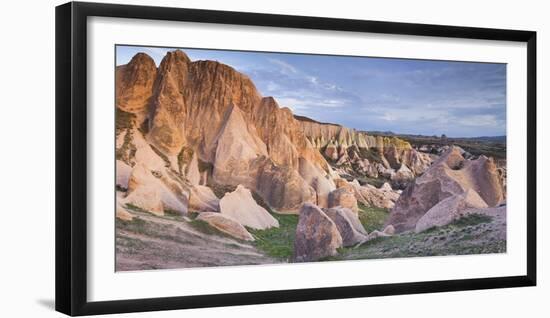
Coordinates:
[446,191]
[357,153]
[187,132]
[204,123]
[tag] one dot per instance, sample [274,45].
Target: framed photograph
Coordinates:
[208,158]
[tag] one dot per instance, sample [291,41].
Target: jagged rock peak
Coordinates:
[142,59]
[177,56]
[213,72]
[135,83]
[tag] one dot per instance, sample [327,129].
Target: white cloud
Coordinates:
[331,103]
[296,105]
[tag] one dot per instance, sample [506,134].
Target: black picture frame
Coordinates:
[71,157]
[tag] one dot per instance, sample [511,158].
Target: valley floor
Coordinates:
[154,242]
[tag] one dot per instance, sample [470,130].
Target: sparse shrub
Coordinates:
[472,219]
[221,189]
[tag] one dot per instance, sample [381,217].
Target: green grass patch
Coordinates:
[152,230]
[278,242]
[136,225]
[372,218]
[203,227]
[471,219]
[170,212]
[462,237]
[136,208]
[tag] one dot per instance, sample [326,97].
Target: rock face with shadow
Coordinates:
[203,123]
[451,185]
[317,235]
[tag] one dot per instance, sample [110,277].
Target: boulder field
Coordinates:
[320,232]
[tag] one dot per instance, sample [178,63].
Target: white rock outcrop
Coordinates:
[226,225]
[150,193]
[203,199]
[241,206]
[348,224]
[450,209]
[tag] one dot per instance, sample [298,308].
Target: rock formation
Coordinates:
[450,209]
[344,197]
[203,199]
[122,213]
[123,172]
[150,191]
[358,152]
[348,224]
[206,123]
[134,84]
[226,225]
[316,235]
[240,206]
[466,183]
[370,196]
[402,176]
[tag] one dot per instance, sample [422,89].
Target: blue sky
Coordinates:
[459,99]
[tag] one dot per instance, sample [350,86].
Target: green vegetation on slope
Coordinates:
[472,219]
[277,242]
[204,227]
[372,218]
[468,235]
[473,234]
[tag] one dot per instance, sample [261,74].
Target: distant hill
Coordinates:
[499,139]
[307,119]
[484,139]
